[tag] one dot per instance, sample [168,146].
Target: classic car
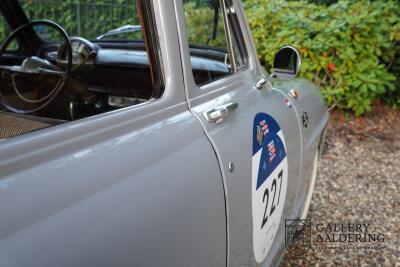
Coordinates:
[146,133]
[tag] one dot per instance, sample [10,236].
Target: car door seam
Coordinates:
[300,135]
[224,185]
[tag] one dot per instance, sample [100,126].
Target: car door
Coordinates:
[139,186]
[255,133]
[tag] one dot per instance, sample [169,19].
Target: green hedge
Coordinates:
[351,49]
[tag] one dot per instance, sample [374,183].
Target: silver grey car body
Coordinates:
[156,184]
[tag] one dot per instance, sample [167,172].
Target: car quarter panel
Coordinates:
[311,107]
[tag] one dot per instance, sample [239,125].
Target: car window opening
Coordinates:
[213,40]
[115,61]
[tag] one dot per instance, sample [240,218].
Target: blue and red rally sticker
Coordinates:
[269,182]
[265,137]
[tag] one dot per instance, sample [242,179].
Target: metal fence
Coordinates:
[86,18]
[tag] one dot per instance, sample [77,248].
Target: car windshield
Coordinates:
[104,20]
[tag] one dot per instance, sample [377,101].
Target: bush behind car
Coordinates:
[351,49]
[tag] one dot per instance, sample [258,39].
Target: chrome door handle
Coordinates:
[218,114]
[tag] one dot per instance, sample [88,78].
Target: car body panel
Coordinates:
[149,185]
[232,140]
[109,203]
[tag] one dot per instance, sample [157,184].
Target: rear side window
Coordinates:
[238,45]
[207,40]
[205,24]
[214,40]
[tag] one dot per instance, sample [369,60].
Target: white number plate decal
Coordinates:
[269,182]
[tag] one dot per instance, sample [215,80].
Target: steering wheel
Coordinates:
[38,67]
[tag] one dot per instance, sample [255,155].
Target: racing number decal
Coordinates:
[269,182]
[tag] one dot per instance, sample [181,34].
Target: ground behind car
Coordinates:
[358,181]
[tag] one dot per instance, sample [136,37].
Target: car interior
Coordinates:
[50,74]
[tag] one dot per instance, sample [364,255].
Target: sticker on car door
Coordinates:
[269,182]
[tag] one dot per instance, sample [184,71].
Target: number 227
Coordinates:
[266,196]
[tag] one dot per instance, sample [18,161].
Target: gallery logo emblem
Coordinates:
[297,236]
